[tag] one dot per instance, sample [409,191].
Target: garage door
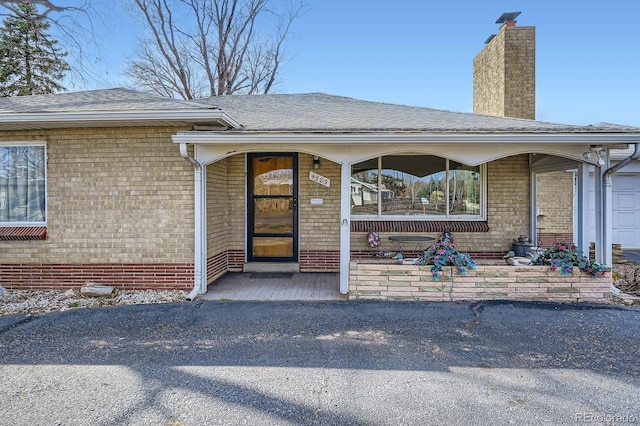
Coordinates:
[626,210]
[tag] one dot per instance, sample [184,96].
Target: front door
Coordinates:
[272,207]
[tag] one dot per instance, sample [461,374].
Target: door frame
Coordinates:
[250,208]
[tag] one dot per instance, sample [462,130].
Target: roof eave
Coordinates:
[181,117]
[451,136]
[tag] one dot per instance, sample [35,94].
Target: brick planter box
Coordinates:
[412,282]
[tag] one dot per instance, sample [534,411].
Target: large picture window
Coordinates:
[419,185]
[22,184]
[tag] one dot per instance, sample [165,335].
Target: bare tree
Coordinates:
[211,47]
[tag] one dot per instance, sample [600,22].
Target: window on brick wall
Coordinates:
[22,185]
[417,187]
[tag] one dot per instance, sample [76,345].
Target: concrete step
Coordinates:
[271,267]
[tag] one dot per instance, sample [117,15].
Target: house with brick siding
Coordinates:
[133,190]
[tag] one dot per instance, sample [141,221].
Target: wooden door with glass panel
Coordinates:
[272,207]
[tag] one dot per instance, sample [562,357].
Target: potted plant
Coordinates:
[444,252]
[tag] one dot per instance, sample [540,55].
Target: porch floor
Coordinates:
[266,286]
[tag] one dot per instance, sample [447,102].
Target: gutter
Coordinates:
[199,250]
[62,119]
[607,202]
[468,136]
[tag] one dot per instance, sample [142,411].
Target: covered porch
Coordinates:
[535,154]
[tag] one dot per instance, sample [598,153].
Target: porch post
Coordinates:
[345,226]
[533,212]
[599,209]
[607,221]
[583,225]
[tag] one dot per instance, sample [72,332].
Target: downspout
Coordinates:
[199,286]
[607,197]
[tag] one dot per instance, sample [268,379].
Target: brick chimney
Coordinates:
[504,73]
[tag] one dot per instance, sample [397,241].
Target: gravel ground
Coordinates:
[627,278]
[43,302]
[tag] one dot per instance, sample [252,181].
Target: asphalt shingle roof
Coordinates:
[93,101]
[310,112]
[327,113]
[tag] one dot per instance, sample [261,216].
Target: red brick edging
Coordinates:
[156,276]
[319,260]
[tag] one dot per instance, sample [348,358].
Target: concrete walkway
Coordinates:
[261,286]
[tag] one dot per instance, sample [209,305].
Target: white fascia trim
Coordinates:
[22,224]
[188,115]
[194,137]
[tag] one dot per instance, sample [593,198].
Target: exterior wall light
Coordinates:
[316,162]
[601,153]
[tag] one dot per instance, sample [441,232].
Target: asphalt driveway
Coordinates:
[333,363]
[632,256]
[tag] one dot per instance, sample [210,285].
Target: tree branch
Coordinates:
[216,42]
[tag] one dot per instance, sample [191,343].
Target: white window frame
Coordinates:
[446,217]
[46,182]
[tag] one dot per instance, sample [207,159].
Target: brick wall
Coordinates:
[508,201]
[555,203]
[154,276]
[504,74]
[237,206]
[412,282]
[226,204]
[319,224]
[217,219]
[113,195]
[118,198]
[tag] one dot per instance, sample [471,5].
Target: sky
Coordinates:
[420,53]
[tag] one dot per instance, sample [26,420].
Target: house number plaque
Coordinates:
[320,179]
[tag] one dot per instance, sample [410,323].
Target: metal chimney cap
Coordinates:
[508,17]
